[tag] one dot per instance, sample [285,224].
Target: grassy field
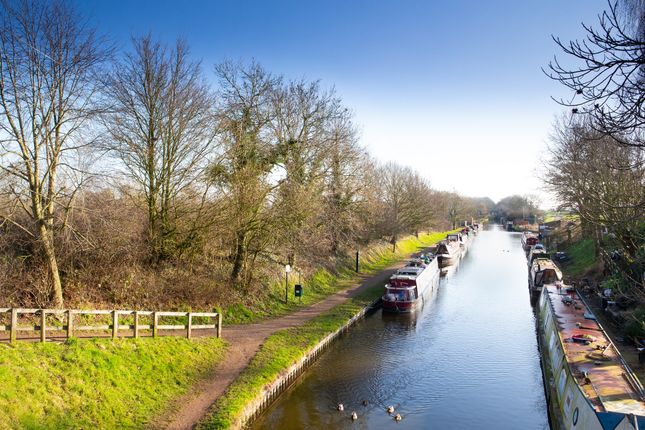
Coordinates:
[285,347]
[323,283]
[555,215]
[98,383]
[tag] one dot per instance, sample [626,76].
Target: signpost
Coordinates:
[287,269]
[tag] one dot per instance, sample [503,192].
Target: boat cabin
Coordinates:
[529,239]
[543,271]
[537,253]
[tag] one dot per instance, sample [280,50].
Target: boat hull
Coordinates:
[568,406]
[427,284]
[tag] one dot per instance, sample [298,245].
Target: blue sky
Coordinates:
[453,88]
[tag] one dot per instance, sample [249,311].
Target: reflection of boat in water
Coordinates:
[589,385]
[407,287]
[404,322]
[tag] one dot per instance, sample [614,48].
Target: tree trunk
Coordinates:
[48,247]
[600,257]
[238,259]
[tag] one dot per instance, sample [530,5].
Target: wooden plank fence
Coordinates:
[69,322]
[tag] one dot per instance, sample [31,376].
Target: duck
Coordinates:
[390,409]
[397,417]
[354,416]
[340,407]
[365,403]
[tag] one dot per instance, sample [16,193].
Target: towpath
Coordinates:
[244,343]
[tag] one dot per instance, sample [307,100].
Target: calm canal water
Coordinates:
[467,360]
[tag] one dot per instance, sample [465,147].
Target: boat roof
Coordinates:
[545,264]
[611,386]
[408,272]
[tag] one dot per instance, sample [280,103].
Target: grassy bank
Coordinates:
[98,383]
[280,351]
[324,283]
[285,347]
[582,256]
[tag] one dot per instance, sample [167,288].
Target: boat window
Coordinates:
[563,380]
[400,295]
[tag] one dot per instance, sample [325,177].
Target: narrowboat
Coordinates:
[528,240]
[406,288]
[588,383]
[448,252]
[543,271]
[535,254]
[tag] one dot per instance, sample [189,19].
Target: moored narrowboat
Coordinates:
[528,240]
[588,383]
[543,271]
[448,253]
[406,288]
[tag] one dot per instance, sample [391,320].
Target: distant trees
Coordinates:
[205,190]
[517,207]
[49,63]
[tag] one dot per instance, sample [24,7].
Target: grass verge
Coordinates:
[286,347]
[324,283]
[582,256]
[98,383]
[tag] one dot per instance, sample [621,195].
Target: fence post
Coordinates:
[155,322]
[14,325]
[219,325]
[115,324]
[43,325]
[190,324]
[136,324]
[70,323]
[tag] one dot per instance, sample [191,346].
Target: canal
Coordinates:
[467,360]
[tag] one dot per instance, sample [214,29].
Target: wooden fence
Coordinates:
[70,322]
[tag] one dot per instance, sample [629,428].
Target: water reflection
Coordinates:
[467,359]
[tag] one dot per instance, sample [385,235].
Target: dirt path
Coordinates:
[245,341]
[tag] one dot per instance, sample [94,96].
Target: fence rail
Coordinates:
[67,321]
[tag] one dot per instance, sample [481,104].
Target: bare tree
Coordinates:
[161,128]
[607,78]
[302,127]
[49,60]
[346,178]
[602,183]
[243,171]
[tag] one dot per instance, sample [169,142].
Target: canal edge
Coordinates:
[274,389]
